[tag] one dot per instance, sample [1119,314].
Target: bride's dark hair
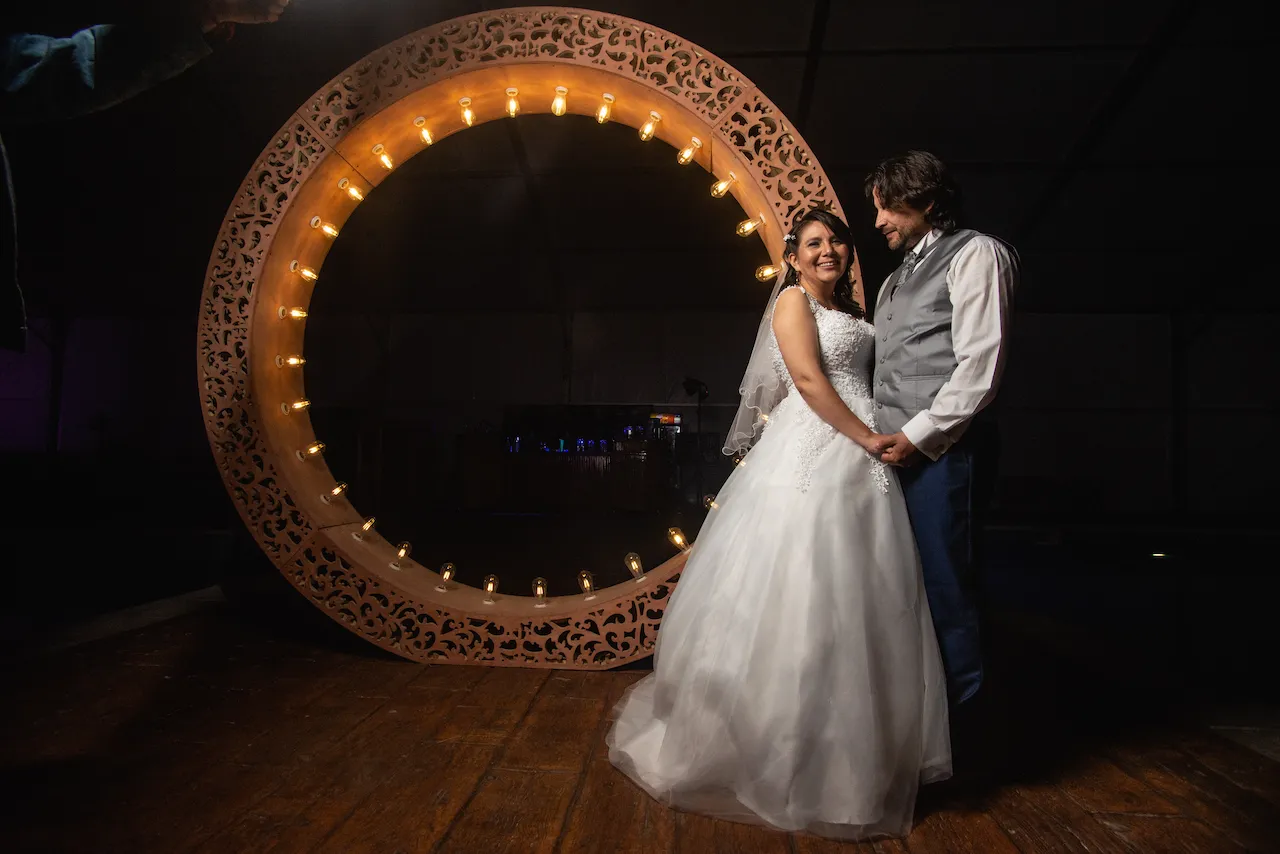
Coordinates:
[843,296]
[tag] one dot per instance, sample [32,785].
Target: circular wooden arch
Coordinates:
[270,233]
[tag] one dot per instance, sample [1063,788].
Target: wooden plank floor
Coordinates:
[210,733]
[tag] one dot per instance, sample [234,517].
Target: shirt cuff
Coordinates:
[928,439]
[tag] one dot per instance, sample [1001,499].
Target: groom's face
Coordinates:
[903,226]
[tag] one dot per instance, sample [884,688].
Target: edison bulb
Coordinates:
[685,157]
[337,490]
[447,572]
[490,588]
[540,592]
[719,188]
[767,272]
[421,124]
[513,101]
[329,229]
[295,313]
[290,361]
[748,226]
[587,584]
[305,272]
[296,406]
[606,108]
[402,552]
[352,190]
[314,449]
[468,117]
[634,566]
[647,129]
[380,152]
[678,539]
[560,103]
[364,529]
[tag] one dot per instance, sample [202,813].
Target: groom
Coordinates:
[942,332]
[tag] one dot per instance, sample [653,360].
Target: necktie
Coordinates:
[908,264]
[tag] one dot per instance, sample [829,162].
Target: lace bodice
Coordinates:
[846,347]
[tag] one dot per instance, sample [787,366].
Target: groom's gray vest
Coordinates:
[914,356]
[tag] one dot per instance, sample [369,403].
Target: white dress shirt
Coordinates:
[980,280]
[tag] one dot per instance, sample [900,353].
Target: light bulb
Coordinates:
[540,592]
[329,229]
[447,572]
[678,539]
[305,272]
[560,102]
[296,406]
[337,490]
[352,190]
[295,313]
[587,584]
[421,123]
[380,152]
[606,108]
[767,272]
[513,102]
[402,552]
[719,188]
[685,157]
[364,529]
[634,566]
[748,226]
[709,502]
[310,451]
[467,116]
[647,129]
[490,588]
[290,361]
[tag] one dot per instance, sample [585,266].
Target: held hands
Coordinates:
[875,443]
[215,13]
[897,450]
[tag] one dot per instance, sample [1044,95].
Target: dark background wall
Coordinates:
[549,261]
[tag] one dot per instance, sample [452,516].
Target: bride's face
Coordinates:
[820,257]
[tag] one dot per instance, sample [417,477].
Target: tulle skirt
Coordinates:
[797,681]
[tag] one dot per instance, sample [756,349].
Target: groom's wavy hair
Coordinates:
[915,179]
[843,296]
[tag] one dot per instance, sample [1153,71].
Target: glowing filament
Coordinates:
[634,566]
[686,154]
[305,272]
[767,272]
[490,588]
[297,313]
[337,490]
[352,190]
[328,228]
[314,449]
[421,123]
[719,188]
[402,552]
[290,361]
[678,539]
[748,226]
[447,572]
[364,529]
[606,109]
[560,102]
[380,152]
[540,592]
[587,584]
[709,502]
[296,406]
[513,102]
[647,129]
[467,116]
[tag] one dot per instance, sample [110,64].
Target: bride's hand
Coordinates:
[875,443]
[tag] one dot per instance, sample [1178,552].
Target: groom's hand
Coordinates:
[899,451]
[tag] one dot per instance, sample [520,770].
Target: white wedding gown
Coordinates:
[797,681]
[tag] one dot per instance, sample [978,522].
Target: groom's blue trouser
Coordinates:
[946,499]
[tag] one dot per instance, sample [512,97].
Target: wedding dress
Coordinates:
[797,681]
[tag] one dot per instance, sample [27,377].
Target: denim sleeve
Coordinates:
[44,78]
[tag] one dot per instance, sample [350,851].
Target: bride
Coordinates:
[797,681]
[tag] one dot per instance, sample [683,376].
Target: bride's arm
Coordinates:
[797,335]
